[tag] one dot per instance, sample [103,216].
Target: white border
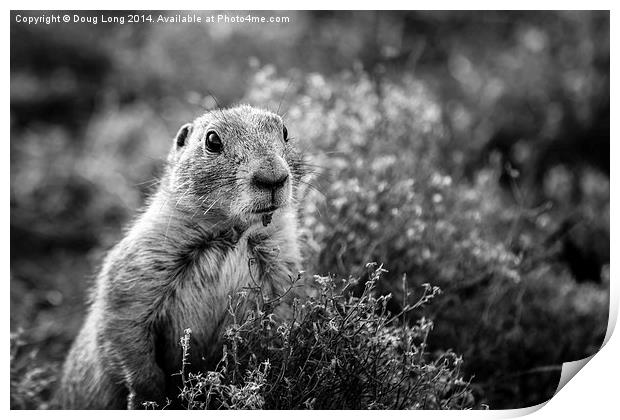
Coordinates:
[315,5]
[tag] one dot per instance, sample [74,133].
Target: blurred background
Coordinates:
[469,150]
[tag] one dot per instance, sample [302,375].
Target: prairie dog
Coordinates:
[223,215]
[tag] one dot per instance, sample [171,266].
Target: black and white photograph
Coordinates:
[306,210]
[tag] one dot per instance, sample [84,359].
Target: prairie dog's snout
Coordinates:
[270,183]
[272,174]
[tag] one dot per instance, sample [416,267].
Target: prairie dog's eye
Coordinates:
[285,133]
[213,142]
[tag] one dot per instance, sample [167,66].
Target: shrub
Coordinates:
[386,193]
[332,351]
[32,383]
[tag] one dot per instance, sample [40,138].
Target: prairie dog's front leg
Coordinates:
[130,347]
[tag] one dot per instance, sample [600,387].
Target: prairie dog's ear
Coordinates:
[182,135]
[180,140]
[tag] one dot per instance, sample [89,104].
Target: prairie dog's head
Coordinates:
[236,164]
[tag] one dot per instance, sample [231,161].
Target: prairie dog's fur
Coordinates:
[219,220]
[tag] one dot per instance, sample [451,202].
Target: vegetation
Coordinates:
[509,306]
[332,351]
[32,384]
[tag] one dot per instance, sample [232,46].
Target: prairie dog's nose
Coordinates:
[272,174]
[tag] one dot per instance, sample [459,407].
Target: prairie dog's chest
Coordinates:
[202,287]
[201,294]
